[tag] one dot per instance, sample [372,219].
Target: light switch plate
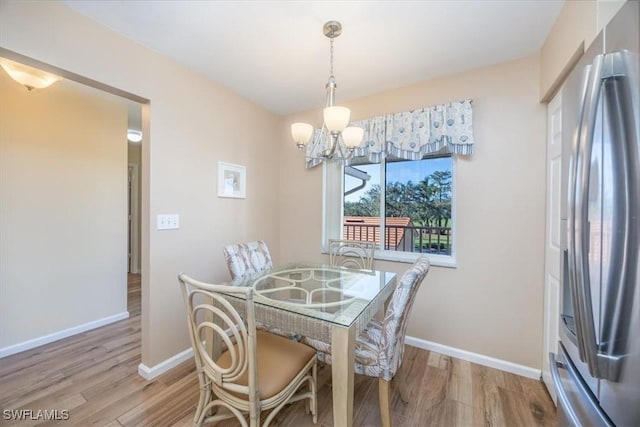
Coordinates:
[168,222]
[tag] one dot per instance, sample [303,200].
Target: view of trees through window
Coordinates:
[417,204]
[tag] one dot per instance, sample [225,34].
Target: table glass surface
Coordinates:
[333,294]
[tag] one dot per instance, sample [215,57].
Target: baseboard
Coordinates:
[480,359]
[149,373]
[37,342]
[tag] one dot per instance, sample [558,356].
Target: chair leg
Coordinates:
[402,386]
[314,390]
[311,404]
[383,396]
[203,399]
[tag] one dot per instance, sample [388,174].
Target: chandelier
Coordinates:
[335,137]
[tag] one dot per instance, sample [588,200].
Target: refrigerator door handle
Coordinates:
[584,308]
[571,219]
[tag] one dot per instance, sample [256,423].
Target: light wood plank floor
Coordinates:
[94,376]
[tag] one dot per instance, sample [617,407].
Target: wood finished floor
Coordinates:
[94,376]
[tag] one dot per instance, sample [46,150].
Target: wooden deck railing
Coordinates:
[425,239]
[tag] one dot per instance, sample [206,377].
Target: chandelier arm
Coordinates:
[333,139]
[344,151]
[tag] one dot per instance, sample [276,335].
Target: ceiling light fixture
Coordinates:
[134,135]
[340,140]
[29,77]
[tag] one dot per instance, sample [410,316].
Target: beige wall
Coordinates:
[577,25]
[192,124]
[62,209]
[491,303]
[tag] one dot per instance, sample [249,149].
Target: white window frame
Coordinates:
[333,211]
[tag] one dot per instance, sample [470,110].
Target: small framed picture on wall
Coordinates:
[232,180]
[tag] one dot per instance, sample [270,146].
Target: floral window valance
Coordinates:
[413,134]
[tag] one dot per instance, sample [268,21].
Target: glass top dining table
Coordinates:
[332,304]
[332,294]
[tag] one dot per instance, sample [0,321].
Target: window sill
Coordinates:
[409,257]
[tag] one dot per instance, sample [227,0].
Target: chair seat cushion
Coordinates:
[279,360]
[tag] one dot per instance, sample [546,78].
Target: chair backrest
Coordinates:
[212,318]
[247,260]
[397,314]
[351,254]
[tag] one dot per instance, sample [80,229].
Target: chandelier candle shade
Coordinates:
[338,139]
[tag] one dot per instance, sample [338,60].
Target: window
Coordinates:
[411,200]
[399,189]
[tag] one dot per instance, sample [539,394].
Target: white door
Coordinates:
[552,240]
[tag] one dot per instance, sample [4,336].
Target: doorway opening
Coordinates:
[88,218]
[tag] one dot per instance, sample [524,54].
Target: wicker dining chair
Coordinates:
[247,260]
[380,347]
[257,371]
[351,254]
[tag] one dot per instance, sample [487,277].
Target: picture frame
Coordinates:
[232,180]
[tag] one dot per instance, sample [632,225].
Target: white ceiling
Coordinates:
[274,52]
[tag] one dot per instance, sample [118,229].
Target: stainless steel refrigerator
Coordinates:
[596,371]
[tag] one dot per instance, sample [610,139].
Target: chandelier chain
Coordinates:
[331,49]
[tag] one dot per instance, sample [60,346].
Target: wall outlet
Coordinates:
[168,222]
